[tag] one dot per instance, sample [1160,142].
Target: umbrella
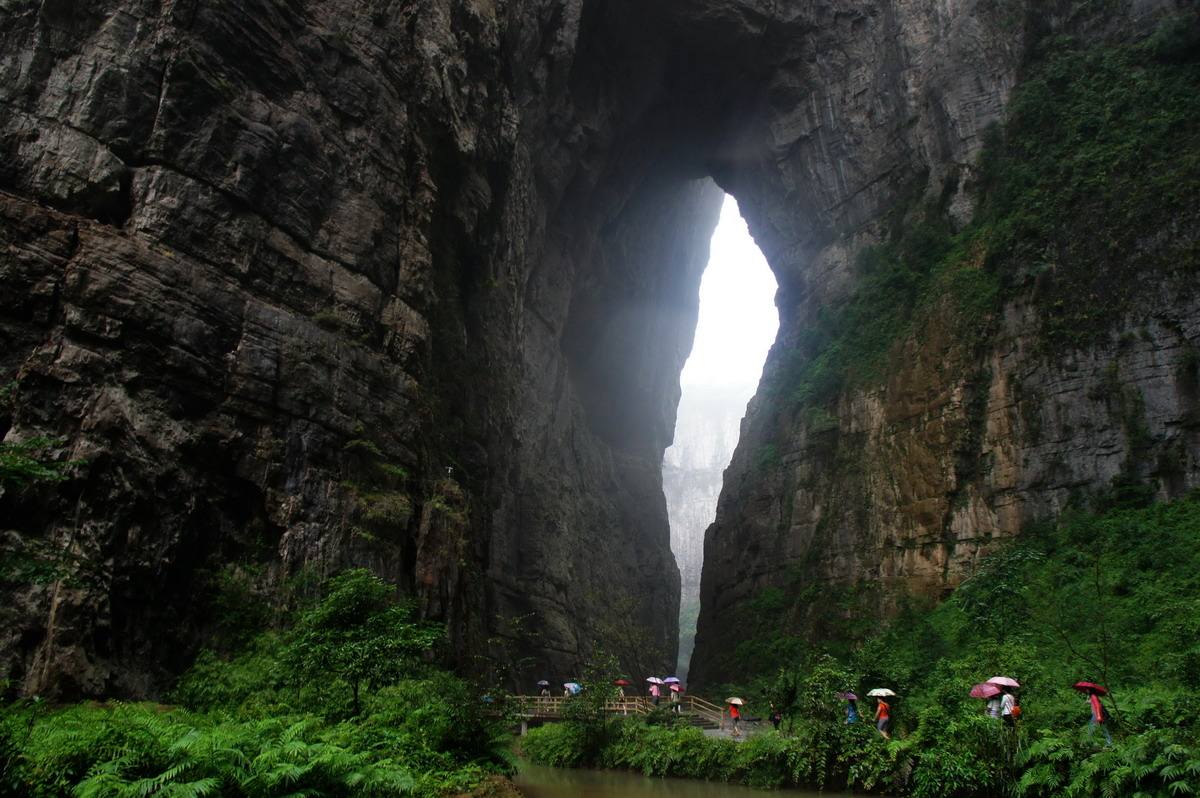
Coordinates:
[621,682]
[880,691]
[847,696]
[677,688]
[671,680]
[1090,687]
[573,687]
[1004,681]
[543,683]
[734,700]
[986,690]
[655,680]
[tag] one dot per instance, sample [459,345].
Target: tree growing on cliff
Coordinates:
[359,634]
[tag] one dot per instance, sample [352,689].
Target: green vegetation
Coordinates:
[27,462]
[344,703]
[1112,598]
[1099,153]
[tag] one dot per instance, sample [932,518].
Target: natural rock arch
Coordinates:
[409,285]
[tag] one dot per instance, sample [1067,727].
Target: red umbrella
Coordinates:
[985,690]
[1090,687]
[621,682]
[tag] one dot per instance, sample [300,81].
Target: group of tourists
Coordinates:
[1000,695]
[670,687]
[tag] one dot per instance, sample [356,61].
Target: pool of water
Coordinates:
[542,782]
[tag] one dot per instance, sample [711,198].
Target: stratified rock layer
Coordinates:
[409,284]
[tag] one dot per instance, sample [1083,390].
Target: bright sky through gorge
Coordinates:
[738,319]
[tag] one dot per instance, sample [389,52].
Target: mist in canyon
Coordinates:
[737,325]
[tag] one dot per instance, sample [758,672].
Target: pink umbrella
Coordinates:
[985,690]
[1004,681]
[675,688]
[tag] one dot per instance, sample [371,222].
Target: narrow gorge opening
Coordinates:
[736,326]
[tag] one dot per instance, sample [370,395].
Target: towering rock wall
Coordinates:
[304,285]
[838,506]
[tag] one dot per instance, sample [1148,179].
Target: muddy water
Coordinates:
[542,782]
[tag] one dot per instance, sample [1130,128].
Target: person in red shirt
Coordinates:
[1098,718]
[883,718]
[735,717]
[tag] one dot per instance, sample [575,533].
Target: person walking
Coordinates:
[675,699]
[993,706]
[776,716]
[1098,718]
[735,717]
[883,717]
[852,715]
[655,694]
[1008,705]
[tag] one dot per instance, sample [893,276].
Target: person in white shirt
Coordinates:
[1007,702]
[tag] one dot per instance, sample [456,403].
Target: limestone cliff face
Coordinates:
[898,487]
[409,284]
[314,284]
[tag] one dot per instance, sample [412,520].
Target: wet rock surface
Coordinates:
[408,285]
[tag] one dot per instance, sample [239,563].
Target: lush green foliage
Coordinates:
[1111,597]
[26,462]
[282,718]
[357,635]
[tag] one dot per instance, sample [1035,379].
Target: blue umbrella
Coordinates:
[573,688]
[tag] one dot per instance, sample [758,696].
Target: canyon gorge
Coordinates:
[296,286]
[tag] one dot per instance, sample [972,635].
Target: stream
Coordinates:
[543,782]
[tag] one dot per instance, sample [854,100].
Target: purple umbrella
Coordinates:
[847,696]
[985,690]
[671,680]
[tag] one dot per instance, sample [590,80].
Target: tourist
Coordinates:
[655,693]
[883,717]
[1098,717]
[1008,704]
[675,698]
[735,717]
[993,706]
[776,716]
[852,710]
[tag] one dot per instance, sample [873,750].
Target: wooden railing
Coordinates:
[550,707]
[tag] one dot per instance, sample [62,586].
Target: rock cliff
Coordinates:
[910,421]
[304,284]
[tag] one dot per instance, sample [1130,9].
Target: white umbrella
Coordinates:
[734,700]
[880,691]
[1004,681]
[655,680]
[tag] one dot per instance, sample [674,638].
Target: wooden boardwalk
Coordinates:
[699,712]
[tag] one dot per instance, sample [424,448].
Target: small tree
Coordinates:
[359,634]
[588,711]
